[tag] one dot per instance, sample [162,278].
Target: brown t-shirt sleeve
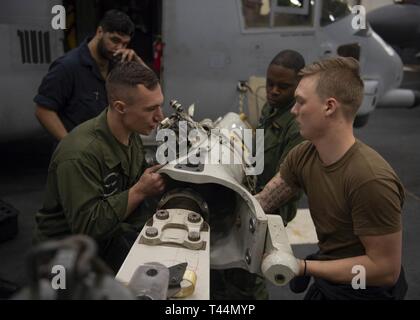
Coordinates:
[376,207]
[289,168]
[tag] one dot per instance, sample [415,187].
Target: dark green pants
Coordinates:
[236,284]
[114,252]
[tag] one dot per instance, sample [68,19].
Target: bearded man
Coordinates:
[73,91]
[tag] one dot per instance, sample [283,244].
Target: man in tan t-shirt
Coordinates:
[355,197]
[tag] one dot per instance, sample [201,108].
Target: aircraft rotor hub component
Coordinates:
[179,229]
[185,198]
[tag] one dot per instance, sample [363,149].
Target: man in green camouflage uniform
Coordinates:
[97,179]
[281,134]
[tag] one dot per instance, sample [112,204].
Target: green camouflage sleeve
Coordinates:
[87,210]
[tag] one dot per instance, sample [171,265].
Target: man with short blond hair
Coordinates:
[339,78]
[355,197]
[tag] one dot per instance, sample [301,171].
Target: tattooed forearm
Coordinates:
[274,194]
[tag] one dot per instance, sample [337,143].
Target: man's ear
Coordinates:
[119,106]
[331,106]
[99,31]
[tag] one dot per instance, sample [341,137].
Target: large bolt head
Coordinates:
[252,225]
[151,232]
[194,217]
[248,257]
[162,214]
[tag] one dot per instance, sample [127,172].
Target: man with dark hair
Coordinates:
[281,132]
[355,197]
[97,178]
[73,90]
[117,21]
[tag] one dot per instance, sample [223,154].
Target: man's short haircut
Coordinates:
[128,75]
[289,59]
[339,78]
[117,21]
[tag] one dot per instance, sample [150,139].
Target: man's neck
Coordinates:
[93,48]
[332,147]
[117,129]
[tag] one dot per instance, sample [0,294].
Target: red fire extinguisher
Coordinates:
[157,54]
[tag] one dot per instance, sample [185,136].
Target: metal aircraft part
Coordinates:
[208,217]
[401,98]
[162,241]
[150,282]
[398,24]
[154,281]
[279,264]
